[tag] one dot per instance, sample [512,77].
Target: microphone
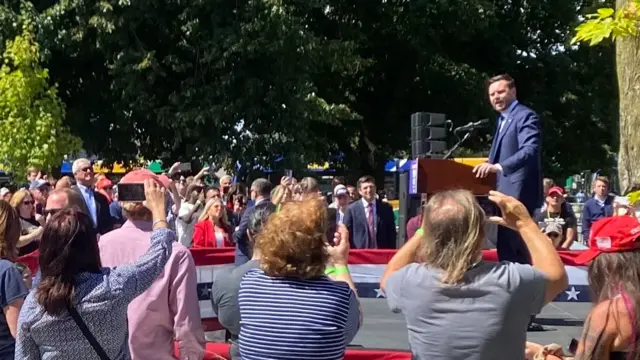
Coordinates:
[472,125]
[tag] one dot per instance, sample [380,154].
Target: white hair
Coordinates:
[78,164]
[226,177]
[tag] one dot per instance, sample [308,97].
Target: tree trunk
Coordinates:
[628,70]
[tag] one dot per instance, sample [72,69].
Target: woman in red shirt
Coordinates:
[212,229]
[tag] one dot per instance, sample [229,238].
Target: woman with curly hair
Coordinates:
[290,307]
[13,289]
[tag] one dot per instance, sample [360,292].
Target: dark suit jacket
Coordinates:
[105,221]
[355,219]
[517,149]
[240,237]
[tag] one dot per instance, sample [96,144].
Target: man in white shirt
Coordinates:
[340,201]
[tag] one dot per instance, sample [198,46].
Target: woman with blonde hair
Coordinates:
[291,306]
[212,229]
[13,290]
[32,227]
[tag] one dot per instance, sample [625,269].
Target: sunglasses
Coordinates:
[87,169]
[28,202]
[51,212]
[553,235]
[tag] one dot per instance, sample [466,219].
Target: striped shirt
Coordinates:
[286,318]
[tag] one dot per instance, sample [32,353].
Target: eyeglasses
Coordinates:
[28,202]
[51,212]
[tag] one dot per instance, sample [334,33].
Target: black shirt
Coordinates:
[566,218]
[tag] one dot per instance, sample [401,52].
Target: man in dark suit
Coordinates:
[515,158]
[260,192]
[97,204]
[371,222]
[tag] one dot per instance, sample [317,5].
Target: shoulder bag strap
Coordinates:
[87,333]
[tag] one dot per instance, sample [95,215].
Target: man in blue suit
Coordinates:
[515,158]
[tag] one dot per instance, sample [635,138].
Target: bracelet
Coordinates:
[329,270]
[156,222]
[340,270]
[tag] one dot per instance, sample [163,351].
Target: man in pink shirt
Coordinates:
[169,309]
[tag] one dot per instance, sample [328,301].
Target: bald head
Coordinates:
[63,198]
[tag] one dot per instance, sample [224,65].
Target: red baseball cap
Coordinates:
[555,190]
[612,234]
[139,176]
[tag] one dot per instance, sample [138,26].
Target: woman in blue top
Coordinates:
[12,287]
[73,281]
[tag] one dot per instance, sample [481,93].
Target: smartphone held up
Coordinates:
[131,192]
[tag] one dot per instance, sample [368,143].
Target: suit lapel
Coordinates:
[509,120]
[492,153]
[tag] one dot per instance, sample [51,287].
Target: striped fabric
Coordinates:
[295,319]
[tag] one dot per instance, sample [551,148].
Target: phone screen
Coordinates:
[131,192]
[332,215]
[490,208]
[288,173]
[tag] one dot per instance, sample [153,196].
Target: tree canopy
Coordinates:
[621,25]
[311,79]
[31,114]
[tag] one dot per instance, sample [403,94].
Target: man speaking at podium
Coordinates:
[515,158]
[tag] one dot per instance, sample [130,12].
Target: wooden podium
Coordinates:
[439,175]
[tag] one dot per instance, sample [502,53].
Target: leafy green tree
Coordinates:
[622,26]
[31,114]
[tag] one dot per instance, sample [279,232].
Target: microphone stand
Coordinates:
[449,154]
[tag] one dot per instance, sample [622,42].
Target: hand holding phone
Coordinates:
[339,251]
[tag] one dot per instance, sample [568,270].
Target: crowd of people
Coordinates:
[116,279]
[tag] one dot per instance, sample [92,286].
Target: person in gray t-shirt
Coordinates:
[458,307]
[224,291]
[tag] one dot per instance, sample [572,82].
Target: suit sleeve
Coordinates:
[529,145]
[105,221]
[240,235]
[392,233]
[348,222]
